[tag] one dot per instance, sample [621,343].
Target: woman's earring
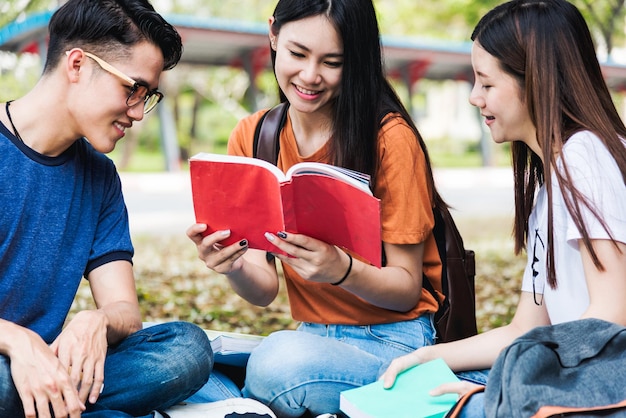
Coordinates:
[273,43]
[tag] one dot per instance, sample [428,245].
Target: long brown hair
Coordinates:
[547,47]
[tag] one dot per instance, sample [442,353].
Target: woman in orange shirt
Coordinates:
[354,318]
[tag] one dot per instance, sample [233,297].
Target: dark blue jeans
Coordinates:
[151,369]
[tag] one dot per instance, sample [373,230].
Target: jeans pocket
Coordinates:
[405,336]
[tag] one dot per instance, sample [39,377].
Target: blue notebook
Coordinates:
[408,398]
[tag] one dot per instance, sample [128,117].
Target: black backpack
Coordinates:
[456,317]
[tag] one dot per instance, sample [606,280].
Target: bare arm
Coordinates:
[49,376]
[82,346]
[41,380]
[477,352]
[249,273]
[113,288]
[396,287]
[607,289]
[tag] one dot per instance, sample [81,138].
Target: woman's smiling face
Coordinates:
[309,61]
[499,97]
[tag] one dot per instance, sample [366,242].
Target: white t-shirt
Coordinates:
[596,175]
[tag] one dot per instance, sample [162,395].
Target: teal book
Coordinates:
[408,398]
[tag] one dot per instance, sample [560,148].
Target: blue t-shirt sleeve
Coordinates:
[112,240]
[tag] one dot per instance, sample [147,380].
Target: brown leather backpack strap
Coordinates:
[458,406]
[266,139]
[559,411]
[266,143]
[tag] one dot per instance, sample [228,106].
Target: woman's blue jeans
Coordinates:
[305,370]
[151,369]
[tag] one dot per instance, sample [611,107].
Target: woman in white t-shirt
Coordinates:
[539,86]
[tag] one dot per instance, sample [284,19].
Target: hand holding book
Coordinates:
[409,397]
[250,197]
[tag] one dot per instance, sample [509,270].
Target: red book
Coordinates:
[250,197]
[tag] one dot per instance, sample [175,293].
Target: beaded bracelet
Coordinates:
[345,276]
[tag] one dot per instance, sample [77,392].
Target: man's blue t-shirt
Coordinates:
[61,218]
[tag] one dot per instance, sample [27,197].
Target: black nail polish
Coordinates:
[282,235]
[243,242]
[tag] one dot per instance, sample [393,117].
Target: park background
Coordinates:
[206,101]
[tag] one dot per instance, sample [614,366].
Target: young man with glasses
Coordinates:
[63,217]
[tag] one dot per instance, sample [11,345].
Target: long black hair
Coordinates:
[366,95]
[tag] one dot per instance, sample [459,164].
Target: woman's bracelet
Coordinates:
[345,276]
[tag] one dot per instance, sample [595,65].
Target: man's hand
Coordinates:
[41,380]
[82,348]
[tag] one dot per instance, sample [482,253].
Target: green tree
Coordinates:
[11,10]
[606,19]
[449,19]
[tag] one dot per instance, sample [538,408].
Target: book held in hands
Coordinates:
[250,197]
[408,398]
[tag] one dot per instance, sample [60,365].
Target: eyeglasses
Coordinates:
[138,92]
[532,266]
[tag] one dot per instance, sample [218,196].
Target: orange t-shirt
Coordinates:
[406,215]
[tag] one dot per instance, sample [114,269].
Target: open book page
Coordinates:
[354,178]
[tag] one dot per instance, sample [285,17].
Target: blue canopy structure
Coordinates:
[212,41]
[220,42]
